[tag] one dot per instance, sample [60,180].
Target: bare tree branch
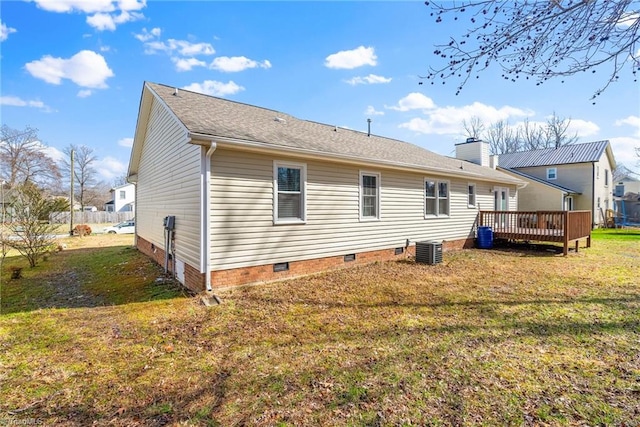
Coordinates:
[23,159]
[85,174]
[539,39]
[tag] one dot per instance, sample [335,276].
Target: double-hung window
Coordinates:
[436,201]
[471,197]
[369,196]
[552,173]
[289,182]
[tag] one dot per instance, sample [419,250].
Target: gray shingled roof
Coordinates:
[216,117]
[567,154]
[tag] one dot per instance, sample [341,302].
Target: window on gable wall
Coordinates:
[606,177]
[436,201]
[369,196]
[552,173]
[289,197]
[123,194]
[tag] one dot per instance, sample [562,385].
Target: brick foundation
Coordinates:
[194,280]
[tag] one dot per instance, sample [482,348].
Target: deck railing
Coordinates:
[551,226]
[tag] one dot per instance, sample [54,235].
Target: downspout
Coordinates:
[206,215]
[593,195]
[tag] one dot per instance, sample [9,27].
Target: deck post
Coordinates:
[565,233]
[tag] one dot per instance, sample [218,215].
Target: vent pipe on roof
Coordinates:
[175,92]
[368,127]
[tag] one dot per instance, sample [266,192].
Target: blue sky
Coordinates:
[74,69]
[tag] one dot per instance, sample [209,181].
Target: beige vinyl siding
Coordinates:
[243,233]
[603,189]
[577,177]
[169,184]
[537,196]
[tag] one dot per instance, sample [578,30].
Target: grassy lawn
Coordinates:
[495,337]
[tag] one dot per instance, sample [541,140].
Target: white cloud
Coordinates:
[15,101]
[63,6]
[583,128]
[370,111]
[106,21]
[186,64]
[86,69]
[624,150]
[181,47]
[148,35]
[349,59]
[370,79]
[413,101]
[84,93]
[105,14]
[110,168]
[628,19]
[633,121]
[448,120]
[215,88]
[5,31]
[236,63]
[126,142]
[54,153]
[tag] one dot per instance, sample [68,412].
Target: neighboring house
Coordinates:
[570,177]
[123,199]
[626,185]
[242,194]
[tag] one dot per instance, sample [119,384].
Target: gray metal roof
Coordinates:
[209,116]
[567,154]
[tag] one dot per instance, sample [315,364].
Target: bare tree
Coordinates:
[502,138]
[532,136]
[539,39]
[474,127]
[31,232]
[84,173]
[557,131]
[620,172]
[119,180]
[23,158]
[98,194]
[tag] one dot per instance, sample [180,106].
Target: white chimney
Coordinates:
[493,161]
[473,150]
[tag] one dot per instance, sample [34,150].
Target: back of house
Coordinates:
[229,193]
[570,177]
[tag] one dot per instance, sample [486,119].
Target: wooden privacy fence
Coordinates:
[547,226]
[91,217]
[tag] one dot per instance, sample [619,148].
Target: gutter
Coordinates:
[261,147]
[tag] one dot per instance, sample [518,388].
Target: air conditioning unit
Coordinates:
[429,252]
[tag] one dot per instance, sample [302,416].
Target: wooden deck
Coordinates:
[546,226]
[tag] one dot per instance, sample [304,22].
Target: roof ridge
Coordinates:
[222,99]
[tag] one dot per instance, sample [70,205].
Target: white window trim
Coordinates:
[378,192]
[555,173]
[475,195]
[303,190]
[424,198]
